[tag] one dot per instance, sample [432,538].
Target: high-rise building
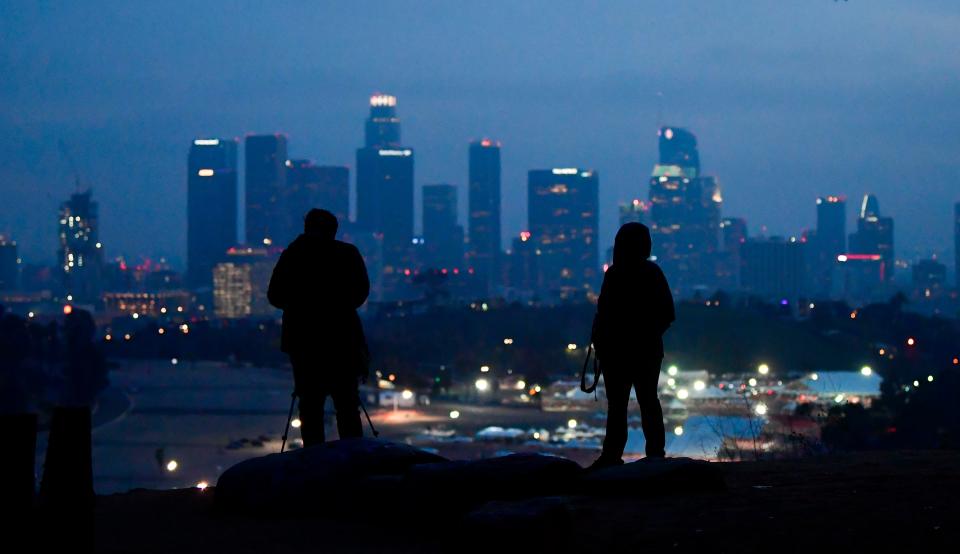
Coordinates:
[635,211]
[266,177]
[563,206]
[81,253]
[929,278]
[830,240]
[773,268]
[483,253]
[684,213]
[734,234]
[874,235]
[314,186]
[385,192]
[9,264]
[212,206]
[443,237]
[240,283]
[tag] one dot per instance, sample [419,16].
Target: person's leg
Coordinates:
[346,402]
[618,399]
[651,414]
[311,398]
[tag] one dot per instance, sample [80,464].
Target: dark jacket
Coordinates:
[319,283]
[635,306]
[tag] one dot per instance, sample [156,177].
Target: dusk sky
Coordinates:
[789,100]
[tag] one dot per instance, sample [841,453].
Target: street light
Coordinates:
[482,385]
[763,369]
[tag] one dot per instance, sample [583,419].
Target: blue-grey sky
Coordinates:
[789,99]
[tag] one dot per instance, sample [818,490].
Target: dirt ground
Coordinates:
[864,502]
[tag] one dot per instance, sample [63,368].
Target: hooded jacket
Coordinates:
[319,283]
[635,306]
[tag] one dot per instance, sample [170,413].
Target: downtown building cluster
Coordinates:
[555,259]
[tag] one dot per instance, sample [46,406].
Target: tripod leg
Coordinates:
[369,421]
[286,430]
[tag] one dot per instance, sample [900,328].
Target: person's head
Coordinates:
[320,223]
[632,245]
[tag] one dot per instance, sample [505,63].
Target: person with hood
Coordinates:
[635,308]
[319,282]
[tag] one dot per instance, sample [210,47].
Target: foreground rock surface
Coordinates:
[868,502]
[655,476]
[295,482]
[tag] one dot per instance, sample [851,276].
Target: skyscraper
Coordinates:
[563,208]
[685,211]
[240,283]
[212,206]
[9,264]
[314,186]
[773,267]
[830,240]
[266,177]
[484,198]
[874,235]
[442,236]
[385,190]
[81,253]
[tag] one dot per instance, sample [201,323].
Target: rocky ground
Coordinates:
[857,503]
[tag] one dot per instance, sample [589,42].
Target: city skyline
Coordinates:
[775,147]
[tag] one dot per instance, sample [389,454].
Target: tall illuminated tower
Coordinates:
[483,253]
[563,205]
[266,178]
[212,206]
[81,253]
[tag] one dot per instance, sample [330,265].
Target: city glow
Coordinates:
[454,414]
[482,385]
[699,385]
[202,485]
[67,309]
[296,423]
[571,346]
[572,423]
[760,409]
[683,394]
[752,382]
[678,430]
[172,465]
[866,371]
[671,382]
[838,398]
[407,394]
[521,384]
[814,376]
[763,369]
[672,371]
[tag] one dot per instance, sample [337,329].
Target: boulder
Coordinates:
[459,485]
[328,477]
[654,476]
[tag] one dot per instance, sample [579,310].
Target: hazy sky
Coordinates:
[789,100]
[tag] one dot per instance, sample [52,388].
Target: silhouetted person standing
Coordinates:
[319,282]
[635,308]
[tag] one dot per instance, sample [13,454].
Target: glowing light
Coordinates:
[671,382]
[184,328]
[916,383]
[929,378]
[571,423]
[911,341]
[752,382]
[391,377]
[174,361]
[163,310]
[683,394]
[508,341]
[108,337]
[853,314]
[407,394]
[814,376]
[402,153]
[172,465]
[296,423]
[536,435]
[482,385]
[536,388]
[206,142]
[838,398]
[881,352]
[760,409]
[484,307]
[135,315]
[160,331]
[202,485]
[31,315]
[524,236]
[571,346]
[668,134]
[763,369]
[67,309]
[98,245]
[521,384]
[127,336]
[842,258]
[205,173]
[180,309]
[866,371]
[380,100]
[672,371]
[267,241]
[699,385]
[565,171]
[454,414]
[484,369]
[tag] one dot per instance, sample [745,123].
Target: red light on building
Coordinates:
[67,309]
